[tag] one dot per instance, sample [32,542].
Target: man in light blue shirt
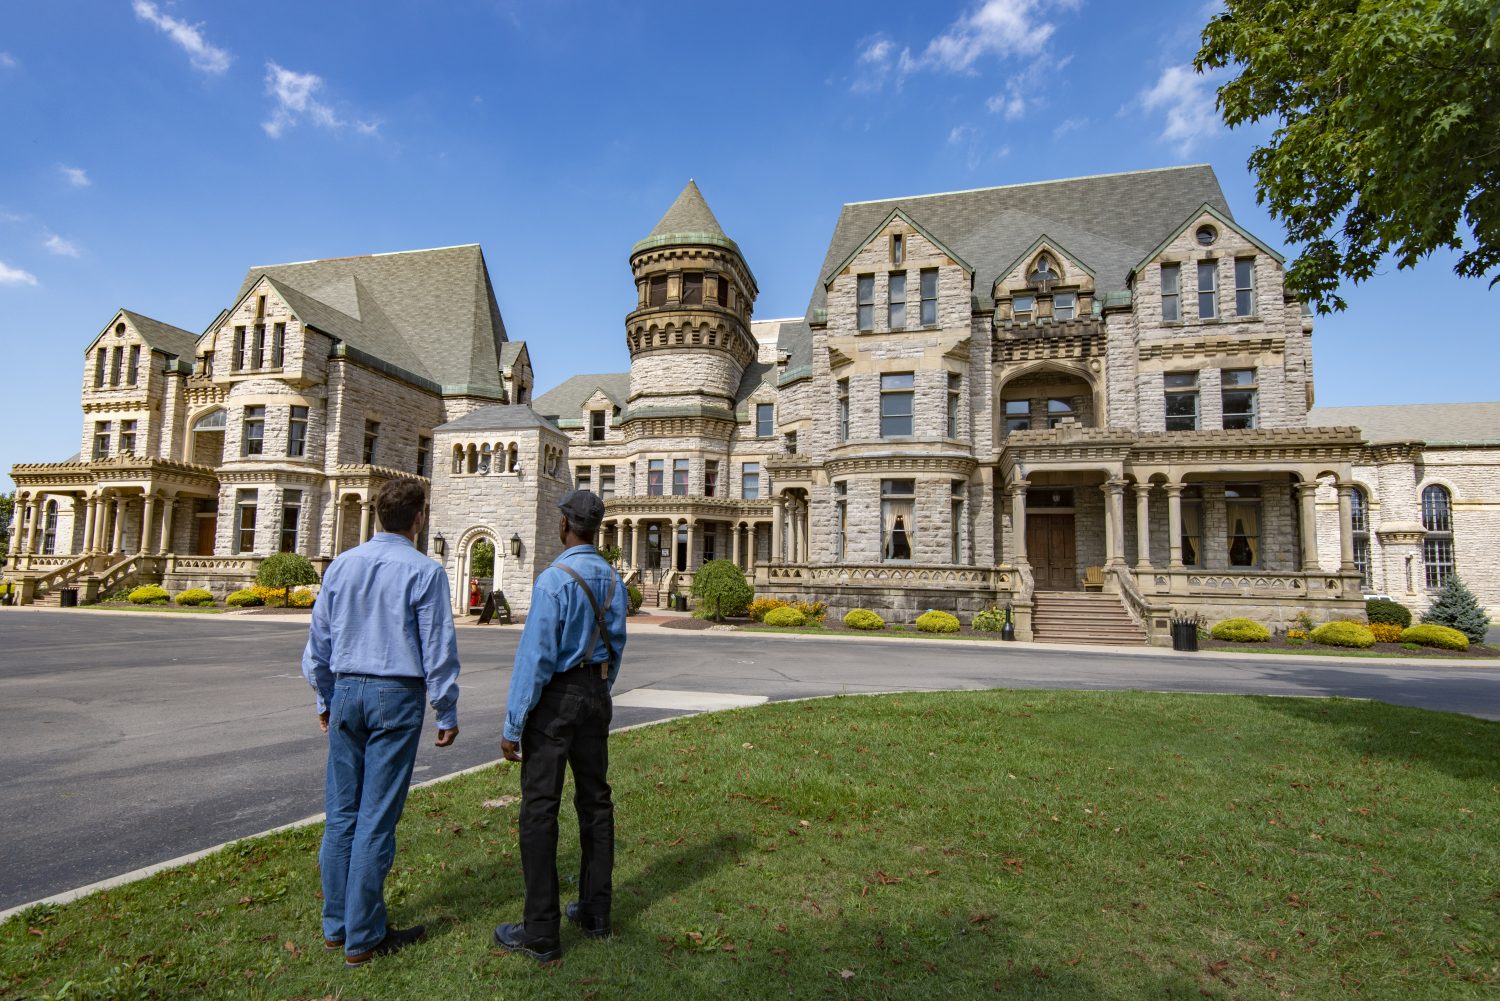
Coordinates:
[381,644]
[557,717]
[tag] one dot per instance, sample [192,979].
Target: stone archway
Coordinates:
[470,560]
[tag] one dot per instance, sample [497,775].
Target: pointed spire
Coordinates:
[689,220]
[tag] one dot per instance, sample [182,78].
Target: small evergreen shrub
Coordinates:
[863,618]
[1346,634]
[1386,632]
[636,597]
[784,617]
[149,594]
[991,620]
[937,622]
[244,598]
[1428,634]
[195,596]
[1384,611]
[758,608]
[1457,608]
[1240,631]
[720,588]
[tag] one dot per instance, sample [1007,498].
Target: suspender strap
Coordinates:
[599,627]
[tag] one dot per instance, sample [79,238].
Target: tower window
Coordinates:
[692,288]
[656,291]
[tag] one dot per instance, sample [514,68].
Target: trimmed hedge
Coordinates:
[244,598]
[195,596]
[636,597]
[784,617]
[1349,634]
[758,608]
[721,589]
[863,618]
[991,620]
[1442,637]
[1387,612]
[1240,631]
[937,622]
[149,594]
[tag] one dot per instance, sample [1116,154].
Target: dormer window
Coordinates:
[898,249]
[596,425]
[1023,307]
[1206,235]
[1065,305]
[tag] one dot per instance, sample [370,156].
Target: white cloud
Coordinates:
[202,53]
[296,101]
[76,176]
[15,276]
[61,247]
[1012,105]
[879,50]
[1000,29]
[876,60]
[9,61]
[1068,125]
[960,133]
[1187,98]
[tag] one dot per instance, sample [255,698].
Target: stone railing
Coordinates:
[1248,584]
[127,571]
[214,566]
[28,561]
[65,572]
[1004,579]
[1131,597]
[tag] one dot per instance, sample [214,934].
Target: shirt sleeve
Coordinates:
[439,645]
[536,657]
[614,618]
[319,649]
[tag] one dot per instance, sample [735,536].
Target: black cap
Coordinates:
[584,510]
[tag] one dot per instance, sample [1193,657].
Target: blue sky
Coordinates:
[155,150]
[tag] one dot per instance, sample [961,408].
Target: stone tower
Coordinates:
[689,334]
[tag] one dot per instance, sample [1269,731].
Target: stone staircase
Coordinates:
[650,595]
[1082,617]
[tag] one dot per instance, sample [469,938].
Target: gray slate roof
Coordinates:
[689,220]
[563,403]
[1110,221]
[510,351]
[795,341]
[163,336]
[1434,423]
[430,312]
[497,418]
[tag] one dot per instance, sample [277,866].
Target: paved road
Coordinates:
[128,739]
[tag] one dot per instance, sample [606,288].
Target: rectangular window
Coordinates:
[1059,411]
[1017,415]
[254,431]
[127,437]
[692,288]
[1362,560]
[258,358]
[1171,292]
[764,420]
[1208,289]
[1437,559]
[239,349]
[296,433]
[722,291]
[1242,522]
[840,519]
[1022,308]
[100,358]
[791,442]
[278,344]
[897,391]
[898,500]
[583,478]
[116,361]
[101,439]
[1181,390]
[897,315]
[679,477]
[1244,286]
[606,482]
[656,291]
[654,470]
[955,392]
[424,456]
[929,297]
[1239,395]
[1192,526]
[898,249]
[843,409]
[710,542]
[1065,305]
[244,521]
[956,521]
[597,419]
[711,478]
[372,436]
[133,372]
[750,480]
[865,313]
[291,515]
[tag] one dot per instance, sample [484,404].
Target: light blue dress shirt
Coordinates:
[558,626]
[384,609]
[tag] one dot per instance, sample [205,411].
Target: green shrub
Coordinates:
[813,612]
[244,598]
[1350,634]
[991,620]
[149,594]
[937,622]
[195,596]
[720,587]
[863,618]
[1385,632]
[285,571]
[758,608]
[784,617]
[1457,608]
[1387,612]
[1428,634]
[301,598]
[1240,631]
[636,597]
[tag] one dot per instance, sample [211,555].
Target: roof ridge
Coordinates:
[1032,184]
[362,257]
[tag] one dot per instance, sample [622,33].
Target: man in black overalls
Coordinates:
[557,715]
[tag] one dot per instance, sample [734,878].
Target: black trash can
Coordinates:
[68,597]
[1184,635]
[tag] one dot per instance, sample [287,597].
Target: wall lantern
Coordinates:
[440,546]
[515,544]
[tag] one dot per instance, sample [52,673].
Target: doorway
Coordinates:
[1051,550]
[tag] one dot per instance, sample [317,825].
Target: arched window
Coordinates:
[1437,548]
[484,457]
[458,459]
[49,529]
[510,458]
[473,458]
[1359,520]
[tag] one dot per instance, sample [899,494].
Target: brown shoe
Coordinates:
[395,940]
[331,944]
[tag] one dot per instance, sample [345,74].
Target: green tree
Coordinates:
[7,508]
[1387,138]
[1457,608]
[482,559]
[721,590]
[286,571]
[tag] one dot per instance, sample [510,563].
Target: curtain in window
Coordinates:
[1192,535]
[1244,535]
[898,525]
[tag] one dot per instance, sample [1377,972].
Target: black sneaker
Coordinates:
[512,938]
[591,925]
[395,940]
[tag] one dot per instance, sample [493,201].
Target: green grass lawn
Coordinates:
[125,606]
[980,844]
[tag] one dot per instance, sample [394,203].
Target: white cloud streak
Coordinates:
[15,276]
[76,176]
[998,29]
[8,61]
[202,54]
[1186,97]
[297,101]
[61,247]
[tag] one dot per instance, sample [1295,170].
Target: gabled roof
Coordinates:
[688,221]
[563,403]
[1433,423]
[497,418]
[1222,218]
[1108,220]
[160,336]
[511,350]
[1046,240]
[895,213]
[429,312]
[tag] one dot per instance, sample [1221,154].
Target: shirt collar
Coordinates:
[578,549]
[392,537]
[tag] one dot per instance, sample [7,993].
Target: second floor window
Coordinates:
[100,360]
[424,456]
[1239,391]
[1022,308]
[929,297]
[278,344]
[372,437]
[865,302]
[843,409]
[1244,286]
[1208,289]
[1017,415]
[764,420]
[258,358]
[692,288]
[1059,411]
[116,362]
[254,432]
[711,478]
[606,482]
[1181,400]
[583,478]
[654,470]
[296,433]
[133,372]
[127,437]
[1171,292]
[955,388]
[1065,305]
[897,391]
[679,477]
[750,480]
[596,425]
[898,301]
[656,291]
[101,439]
[244,521]
[239,349]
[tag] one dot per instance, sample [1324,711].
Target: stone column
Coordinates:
[148,518]
[1346,528]
[17,523]
[117,522]
[1018,520]
[1114,522]
[88,522]
[794,518]
[1307,496]
[167,518]
[1174,525]
[692,537]
[34,530]
[366,516]
[735,544]
[1143,526]
[778,513]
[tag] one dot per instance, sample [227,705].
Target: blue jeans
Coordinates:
[374,726]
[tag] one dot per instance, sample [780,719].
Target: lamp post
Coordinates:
[515,544]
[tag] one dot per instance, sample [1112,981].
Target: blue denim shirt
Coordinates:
[384,609]
[558,626]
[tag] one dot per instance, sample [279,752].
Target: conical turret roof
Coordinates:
[688,221]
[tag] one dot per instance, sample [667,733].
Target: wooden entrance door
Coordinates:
[205,540]
[1052,552]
